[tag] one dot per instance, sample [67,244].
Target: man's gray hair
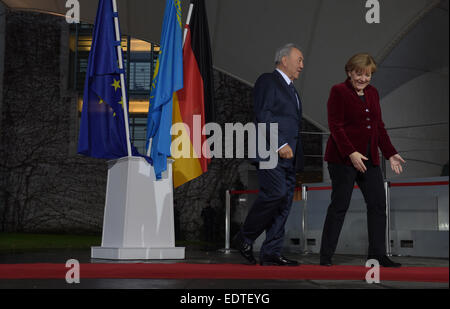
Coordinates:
[284,51]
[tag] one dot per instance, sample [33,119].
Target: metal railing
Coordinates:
[305,189]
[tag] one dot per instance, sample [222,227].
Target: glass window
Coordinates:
[140,79]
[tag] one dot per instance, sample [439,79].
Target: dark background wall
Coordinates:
[44,185]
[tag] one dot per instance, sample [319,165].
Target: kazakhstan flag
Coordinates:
[168,79]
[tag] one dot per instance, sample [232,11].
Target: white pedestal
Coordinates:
[138,221]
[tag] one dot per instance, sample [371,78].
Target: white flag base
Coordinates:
[138,221]
[138,253]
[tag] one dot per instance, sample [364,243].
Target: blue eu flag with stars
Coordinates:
[102,129]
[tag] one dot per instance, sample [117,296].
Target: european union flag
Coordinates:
[102,131]
[168,79]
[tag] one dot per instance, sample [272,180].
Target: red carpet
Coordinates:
[220,271]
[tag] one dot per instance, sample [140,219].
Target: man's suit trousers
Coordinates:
[271,208]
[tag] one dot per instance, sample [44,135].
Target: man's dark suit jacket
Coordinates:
[353,124]
[275,102]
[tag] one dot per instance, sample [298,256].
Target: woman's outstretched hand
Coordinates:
[396,163]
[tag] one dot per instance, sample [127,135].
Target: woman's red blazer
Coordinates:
[354,123]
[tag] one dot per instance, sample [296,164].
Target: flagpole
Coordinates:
[149,146]
[122,77]
[188,20]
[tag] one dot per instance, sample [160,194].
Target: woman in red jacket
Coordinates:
[357,131]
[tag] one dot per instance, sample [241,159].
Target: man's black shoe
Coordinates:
[278,261]
[384,261]
[245,249]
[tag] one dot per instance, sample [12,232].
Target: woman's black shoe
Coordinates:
[325,261]
[384,261]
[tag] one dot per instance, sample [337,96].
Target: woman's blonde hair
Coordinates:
[361,62]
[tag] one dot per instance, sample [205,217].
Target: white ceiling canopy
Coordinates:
[246,33]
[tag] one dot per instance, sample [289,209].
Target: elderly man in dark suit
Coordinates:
[276,101]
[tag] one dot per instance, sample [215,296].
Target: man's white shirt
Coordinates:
[288,81]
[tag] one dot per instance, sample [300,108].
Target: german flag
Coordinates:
[193,105]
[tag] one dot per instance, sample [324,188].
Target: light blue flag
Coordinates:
[168,79]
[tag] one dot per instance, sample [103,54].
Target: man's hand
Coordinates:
[286,152]
[357,161]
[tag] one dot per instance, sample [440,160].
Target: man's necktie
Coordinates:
[291,86]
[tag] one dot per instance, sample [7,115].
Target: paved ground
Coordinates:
[198,256]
